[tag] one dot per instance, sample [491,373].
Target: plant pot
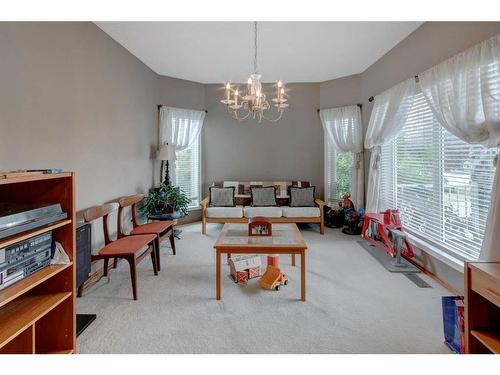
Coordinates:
[168,209]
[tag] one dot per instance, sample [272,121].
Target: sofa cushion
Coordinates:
[221,197]
[262,211]
[300,211]
[224,212]
[263,196]
[302,196]
[243,199]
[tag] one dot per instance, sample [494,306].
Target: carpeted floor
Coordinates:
[354,305]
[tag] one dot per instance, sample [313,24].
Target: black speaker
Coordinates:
[83,267]
[83,252]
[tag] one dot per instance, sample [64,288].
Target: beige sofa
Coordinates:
[243,210]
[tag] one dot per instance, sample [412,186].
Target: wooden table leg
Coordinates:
[293,260]
[217,275]
[303,275]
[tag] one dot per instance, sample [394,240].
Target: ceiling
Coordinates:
[215,52]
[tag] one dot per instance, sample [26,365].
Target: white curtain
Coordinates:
[179,127]
[389,113]
[344,129]
[490,250]
[464,93]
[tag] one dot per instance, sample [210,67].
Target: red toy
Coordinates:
[376,231]
[347,203]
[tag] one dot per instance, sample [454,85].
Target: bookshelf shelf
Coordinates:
[489,339]
[26,310]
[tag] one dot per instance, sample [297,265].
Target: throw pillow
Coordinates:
[302,196]
[221,197]
[263,196]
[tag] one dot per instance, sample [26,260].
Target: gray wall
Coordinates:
[247,151]
[72,98]
[341,92]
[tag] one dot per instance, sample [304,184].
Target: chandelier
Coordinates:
[253,102]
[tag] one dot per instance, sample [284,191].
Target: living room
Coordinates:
[285,186]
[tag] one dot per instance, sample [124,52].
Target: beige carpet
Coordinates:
[354,305]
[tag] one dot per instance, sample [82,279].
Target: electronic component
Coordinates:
[24,258]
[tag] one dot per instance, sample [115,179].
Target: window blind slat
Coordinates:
[187,170]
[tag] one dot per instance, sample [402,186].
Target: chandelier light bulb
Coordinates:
[280,84]
[282,91]
[228,86]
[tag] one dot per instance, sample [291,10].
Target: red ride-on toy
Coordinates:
[385,231]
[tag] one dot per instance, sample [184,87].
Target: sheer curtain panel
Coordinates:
[344,129]
[180,127]
[464,93]
[389,113]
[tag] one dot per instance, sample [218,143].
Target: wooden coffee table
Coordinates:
[286,239]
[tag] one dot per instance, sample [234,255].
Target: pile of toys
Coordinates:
[345,216]
[246,267]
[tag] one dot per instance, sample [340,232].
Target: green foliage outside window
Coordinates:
[343,167]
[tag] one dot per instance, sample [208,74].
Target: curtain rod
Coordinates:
[370,99]
[359,105]
[161,105]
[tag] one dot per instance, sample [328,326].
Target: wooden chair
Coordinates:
[129,248]
[160,229]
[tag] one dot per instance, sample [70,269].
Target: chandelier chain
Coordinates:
[255,48]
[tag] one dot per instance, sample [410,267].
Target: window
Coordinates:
[188,171]
[338,172]
[441,185]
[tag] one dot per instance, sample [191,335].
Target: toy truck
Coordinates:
[273,279]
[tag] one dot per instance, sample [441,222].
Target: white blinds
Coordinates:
[187,171]
[441,185]
[329,170]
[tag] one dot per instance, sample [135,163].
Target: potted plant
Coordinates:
[165,199]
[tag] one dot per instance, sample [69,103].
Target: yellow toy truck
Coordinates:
[273,279]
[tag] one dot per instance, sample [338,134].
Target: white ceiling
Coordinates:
[214,52]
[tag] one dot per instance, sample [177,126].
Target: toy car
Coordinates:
[273,279]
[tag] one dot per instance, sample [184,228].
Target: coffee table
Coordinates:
[286,239]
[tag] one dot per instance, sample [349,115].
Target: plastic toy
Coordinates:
[347,203]
[273,260]
[260,226]
[244,267]
[273,279]
[353,221]
[334,216]
[385,231]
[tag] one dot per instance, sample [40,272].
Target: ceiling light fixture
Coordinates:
[254,103]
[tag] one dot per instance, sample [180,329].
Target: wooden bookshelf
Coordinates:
[482,307]
[37,313]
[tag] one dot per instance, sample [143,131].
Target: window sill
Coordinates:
[437,253]
[194,208]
